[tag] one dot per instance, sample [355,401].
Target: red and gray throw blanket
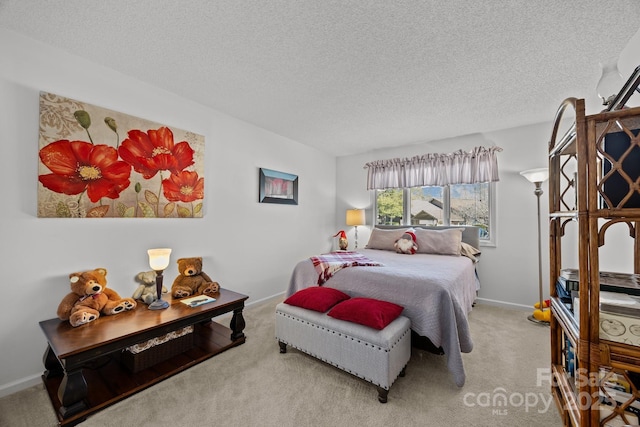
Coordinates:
[328,264]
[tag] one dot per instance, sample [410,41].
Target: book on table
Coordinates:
[197,300]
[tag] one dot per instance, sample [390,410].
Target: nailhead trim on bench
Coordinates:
[341,333]
[346,336]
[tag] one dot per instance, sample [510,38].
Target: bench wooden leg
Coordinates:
[382,395]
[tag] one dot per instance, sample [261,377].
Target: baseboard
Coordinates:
[503,304]
[21,384]
[278,295]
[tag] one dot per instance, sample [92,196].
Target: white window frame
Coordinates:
[446,210]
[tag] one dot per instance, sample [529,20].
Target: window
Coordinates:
[459,204]
[389,205]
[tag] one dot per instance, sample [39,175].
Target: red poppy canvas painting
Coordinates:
[96,163]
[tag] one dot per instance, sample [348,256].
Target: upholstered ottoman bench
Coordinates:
[377,356]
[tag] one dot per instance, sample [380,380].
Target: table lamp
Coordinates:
[158,261]
[355,217]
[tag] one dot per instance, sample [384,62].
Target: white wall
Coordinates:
[247,246]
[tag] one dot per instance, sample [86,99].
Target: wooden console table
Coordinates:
[82,375]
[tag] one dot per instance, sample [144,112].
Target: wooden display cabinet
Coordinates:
[582,190]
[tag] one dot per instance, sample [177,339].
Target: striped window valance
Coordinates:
[461,167]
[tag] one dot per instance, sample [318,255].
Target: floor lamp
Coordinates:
[538,176]
[355,217]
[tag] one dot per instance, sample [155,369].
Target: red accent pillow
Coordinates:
[317,298]
[367,311]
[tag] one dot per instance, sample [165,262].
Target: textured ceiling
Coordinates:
[349,76]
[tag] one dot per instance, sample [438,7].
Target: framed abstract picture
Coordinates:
[97,163]
[278,187]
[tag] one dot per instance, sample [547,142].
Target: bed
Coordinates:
[437,290]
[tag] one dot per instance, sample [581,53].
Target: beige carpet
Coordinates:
[255,385]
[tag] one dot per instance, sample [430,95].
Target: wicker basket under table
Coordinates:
[146,354]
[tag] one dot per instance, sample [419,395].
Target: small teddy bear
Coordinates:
[406,244]
[192,280]
[147,291]
[90,297]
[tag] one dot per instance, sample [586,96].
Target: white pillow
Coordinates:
[442,242]
[385,239]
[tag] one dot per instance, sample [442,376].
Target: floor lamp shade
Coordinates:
[355,217]
[536,175]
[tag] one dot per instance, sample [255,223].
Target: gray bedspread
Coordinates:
[436,291]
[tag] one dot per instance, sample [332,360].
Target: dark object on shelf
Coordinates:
[619,303]
[609,281]
[568,279]
[634,377]
[563,294]
[620,282]
[570,358]
[616,187]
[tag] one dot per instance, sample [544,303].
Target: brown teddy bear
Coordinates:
[192,280]
[89,297]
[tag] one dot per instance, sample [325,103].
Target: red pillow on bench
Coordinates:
[367,311]
[317,298]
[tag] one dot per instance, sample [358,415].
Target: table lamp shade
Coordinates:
[159,258]
[355,217]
